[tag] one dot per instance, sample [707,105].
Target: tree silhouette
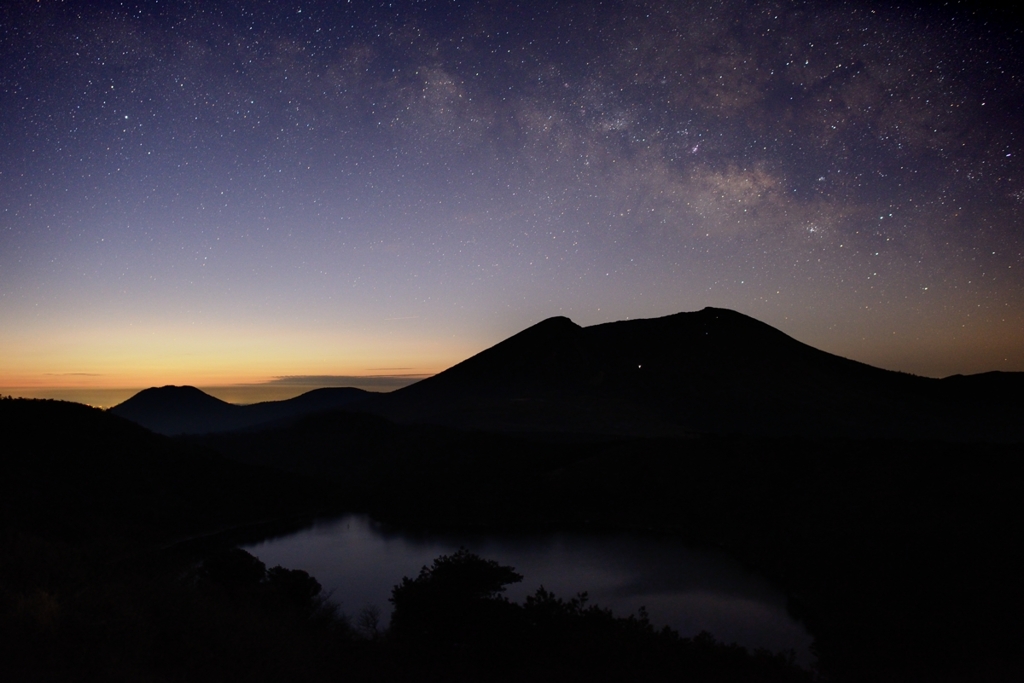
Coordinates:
[234,569]
[295,587]
[458,599]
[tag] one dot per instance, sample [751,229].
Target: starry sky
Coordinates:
[261,193]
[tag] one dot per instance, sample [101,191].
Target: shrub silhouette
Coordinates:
[234,569]
[285,591]
[452,623]
[455,600]
[294,586]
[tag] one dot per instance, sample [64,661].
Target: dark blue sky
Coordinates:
[231,192]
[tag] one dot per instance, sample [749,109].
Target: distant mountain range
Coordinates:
[174,410]
[710,371]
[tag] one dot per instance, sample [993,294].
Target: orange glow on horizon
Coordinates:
[79,359]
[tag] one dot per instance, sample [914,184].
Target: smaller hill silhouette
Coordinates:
[173,410]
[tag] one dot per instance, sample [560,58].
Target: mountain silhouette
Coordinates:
[710,371]
[173,410]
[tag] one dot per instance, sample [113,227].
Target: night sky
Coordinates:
[215,193]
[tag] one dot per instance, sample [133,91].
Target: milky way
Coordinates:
[241,191]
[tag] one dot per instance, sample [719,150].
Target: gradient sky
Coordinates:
[232,192]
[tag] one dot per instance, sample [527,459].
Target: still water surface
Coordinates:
[359,561]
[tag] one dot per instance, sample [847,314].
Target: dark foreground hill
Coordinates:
[81,473]
[174,410]
[101,524]
[712,371]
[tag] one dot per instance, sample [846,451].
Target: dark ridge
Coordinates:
[175,411]
[543,352]
[171,398]
[178,410]
[326,398]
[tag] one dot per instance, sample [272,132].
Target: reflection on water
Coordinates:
[689,589]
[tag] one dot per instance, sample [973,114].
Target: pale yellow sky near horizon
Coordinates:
[103,368]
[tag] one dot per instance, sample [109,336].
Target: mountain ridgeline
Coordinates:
[174,410]
[713,371]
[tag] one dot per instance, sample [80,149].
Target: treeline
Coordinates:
[453,619]
[230,618]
